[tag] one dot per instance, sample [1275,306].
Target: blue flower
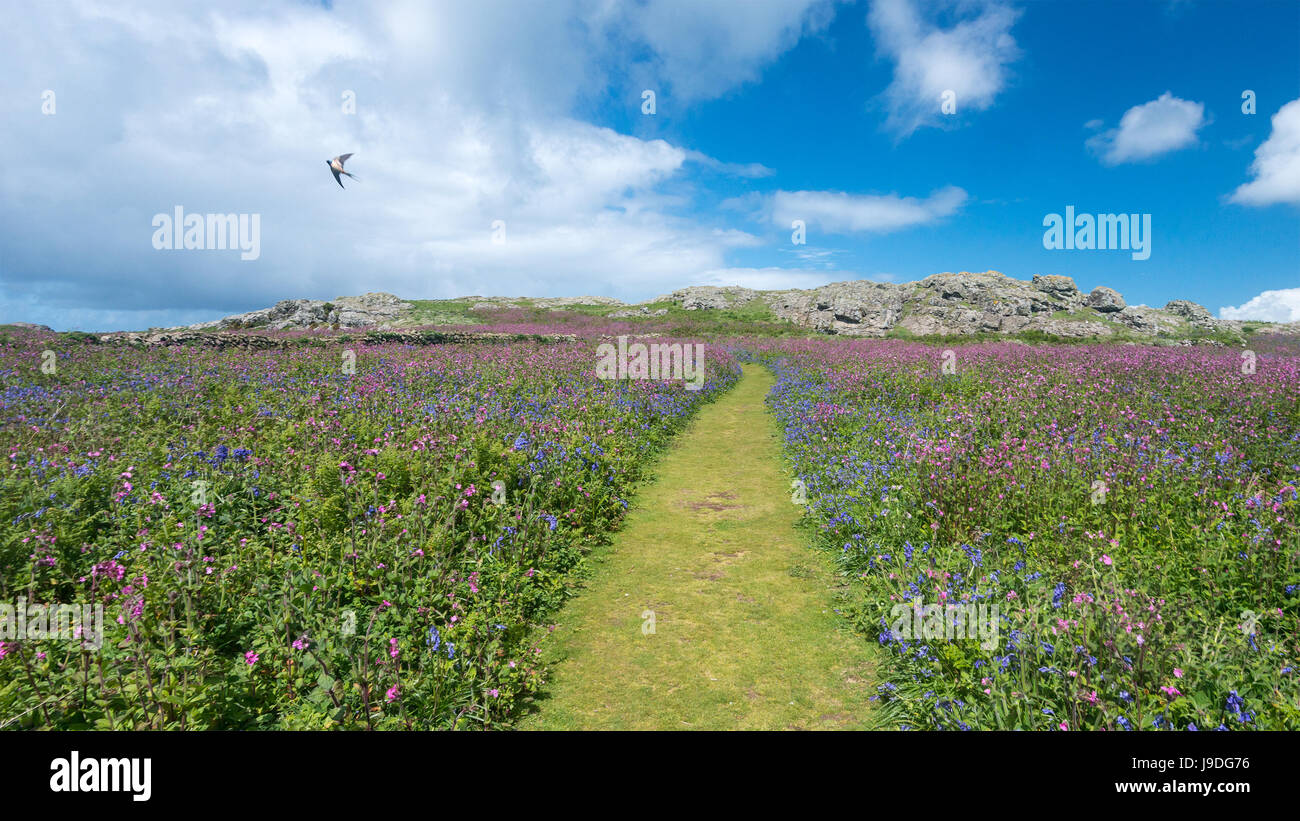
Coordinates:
[1236,705]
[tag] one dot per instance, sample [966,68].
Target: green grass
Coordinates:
[1079,316]
[441,312]
[745,636]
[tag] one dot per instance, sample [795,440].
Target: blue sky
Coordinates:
[532,115]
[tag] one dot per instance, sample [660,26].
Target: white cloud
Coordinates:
[1276,168]
[466,113]
[702,48]
[1165,124]
[1270,306]
[970,59]
[750,171]
[770,279]
[822,258]
[836,212]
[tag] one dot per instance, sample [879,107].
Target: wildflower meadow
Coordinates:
[280,541]
[1128,512]
[380,536]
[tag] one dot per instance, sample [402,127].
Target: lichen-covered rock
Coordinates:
[710,297]
[1188,309]
[1146,320]
[643,311]
[345,312]
[368,310]
[1061,287]
[1072,329]
[1193,312]
[1280,328]
[1105,300]
[860,308]
[948,304]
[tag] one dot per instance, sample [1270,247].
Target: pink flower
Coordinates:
[392,648]
[1105,559]
[251,658]
[392,693]
[1178,673]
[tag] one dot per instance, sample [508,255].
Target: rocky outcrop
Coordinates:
[642,312]
[29,326]
[1187,309]
[1280,328]
[343,313]
[709,297]
[1105,300]
[953,304]
[1060,288]
[947,304]
[1145,320]
[861,308]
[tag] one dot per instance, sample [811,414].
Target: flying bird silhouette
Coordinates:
[336,166]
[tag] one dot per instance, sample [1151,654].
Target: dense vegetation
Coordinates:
[375,537]
[1130,511]
[279,542]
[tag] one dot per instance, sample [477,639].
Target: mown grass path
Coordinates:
[744,632]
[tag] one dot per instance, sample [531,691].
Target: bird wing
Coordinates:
[335,172]
[342,158]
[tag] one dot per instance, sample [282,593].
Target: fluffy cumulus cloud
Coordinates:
[702,48]
[1276,169]
[1149,130]
[465,115]
[1270,306]
[970,58]
[836,212]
